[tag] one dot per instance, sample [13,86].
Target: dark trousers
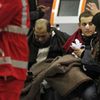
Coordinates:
[90,93]
[83,93]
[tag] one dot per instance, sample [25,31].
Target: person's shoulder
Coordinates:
[59,32]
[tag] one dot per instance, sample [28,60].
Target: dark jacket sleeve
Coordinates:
[34,12]
[34,15]
[90,63]
[87,59]
[96,21]
[62,35]
[32,5]
[56,43]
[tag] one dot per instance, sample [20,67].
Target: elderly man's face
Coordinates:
[41,33]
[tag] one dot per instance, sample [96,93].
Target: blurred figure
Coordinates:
[45,42]
[96,44]
[14,26]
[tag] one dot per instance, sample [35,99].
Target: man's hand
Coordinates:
[76,45]
[78,52]
[43,8]
[92,7]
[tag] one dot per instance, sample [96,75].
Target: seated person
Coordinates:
[45,42]
[78,42]
[84,34]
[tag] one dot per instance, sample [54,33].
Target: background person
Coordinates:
[14,26]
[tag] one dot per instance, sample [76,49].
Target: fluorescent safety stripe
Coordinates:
[15,29]
[24,13]
[14,63]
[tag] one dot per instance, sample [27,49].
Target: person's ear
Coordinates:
[79,25]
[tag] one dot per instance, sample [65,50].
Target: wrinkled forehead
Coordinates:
[86,19]
[41,26]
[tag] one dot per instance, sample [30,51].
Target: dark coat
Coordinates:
[92,59]
[96,21]
[56,46]
[96,51]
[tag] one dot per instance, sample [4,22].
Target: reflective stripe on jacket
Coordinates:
[14,24]
[15,29]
